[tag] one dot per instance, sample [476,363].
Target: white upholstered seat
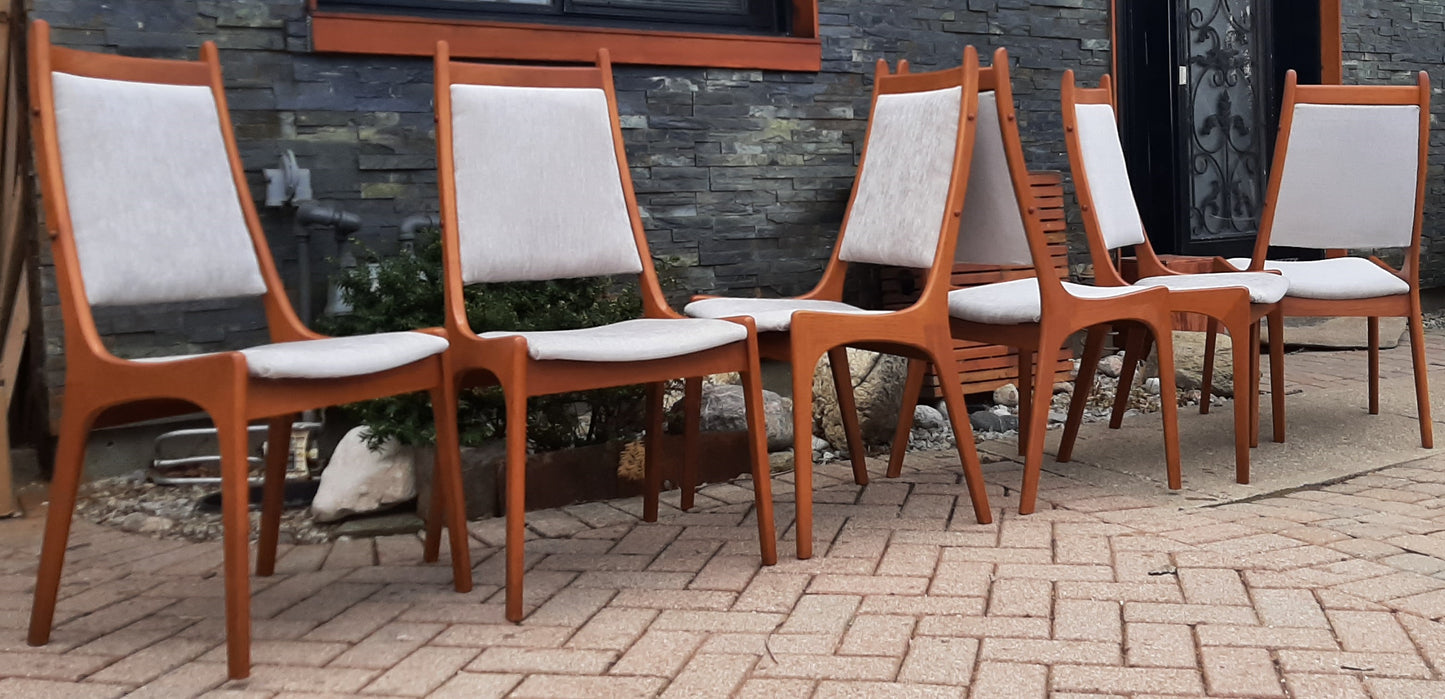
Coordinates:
[1017,301]
[771,315]
[334,357]
[631,340]
[1334,278]
[1263,287]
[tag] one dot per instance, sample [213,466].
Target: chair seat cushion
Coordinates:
[771,315]
[1335,278]
[334,357]
[1263,287]
[631,340]
[1017,301]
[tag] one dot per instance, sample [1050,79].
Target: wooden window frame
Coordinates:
[397,35]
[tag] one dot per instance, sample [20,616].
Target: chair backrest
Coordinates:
[1349,167]
[535,174]
[140,175]
[1096,160]
[899,205]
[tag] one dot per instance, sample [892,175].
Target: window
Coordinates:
[745,34]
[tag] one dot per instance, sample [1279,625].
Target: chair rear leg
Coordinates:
[652,461]
[1025,389]
[1253,396]
[432,543]
[1050,339]
[1163,330]
[761,467]
[1206,380]
[803,364]
[848,410]
[1083,384]
[273,492]
[64,483]
[448,495]
[912,389]
[236,536]
[963,436]
[1136,348]
[516,478]
[691,439]
[1276,375]
[1422,379]
[1372,325]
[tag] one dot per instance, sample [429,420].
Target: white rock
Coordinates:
[358,479]
[1111,366]
[1151,386]
[927,418]
[1007,394]
[877,389]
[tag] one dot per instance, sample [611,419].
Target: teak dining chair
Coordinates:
[1349,172]
[906,201]
[145,202]
[1112,222]
[1037,314]
[535,186]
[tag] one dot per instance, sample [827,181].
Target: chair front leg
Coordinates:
[1372,330]
[1163,331]
[1238,325]
[448,493]
[1276,374]
[1083,385]
[516,476]
[848,411]
[962,433]
[1025,389]
[912,389]
[652,457]
[75,423]
[236,536]
[1206,381]
[691,439]
[803,362]
[761,466]
[1422,379]
[273,493]
[1051,338]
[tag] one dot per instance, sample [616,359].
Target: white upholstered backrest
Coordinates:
[992,231]
[1103,162]
[154,208]
[1349,177]
[539,195]
[898,208]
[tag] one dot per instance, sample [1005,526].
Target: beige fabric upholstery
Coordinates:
[1263,287]
[1349,177]
[538,190]
[631,340]
[992,231]
[1017,301]
[770,315]
[153,205]
[1334,278]
[334,357]
[1103,161]
[898,209]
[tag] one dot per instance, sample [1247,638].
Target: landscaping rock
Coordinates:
[358,479]
[1111,366]
[989,421]
[877,388]
[1007,394]
[927,418]
[1189,362]
[724,409]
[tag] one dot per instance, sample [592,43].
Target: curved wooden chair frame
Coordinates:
[1400,305]
[1230,305]
[105,390]
[1062,315]
[505,362]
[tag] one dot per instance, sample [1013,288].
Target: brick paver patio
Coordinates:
[1330,591]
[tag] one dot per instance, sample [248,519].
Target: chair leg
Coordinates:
[1049,342]
[1276,375]
[1372,325]
[432,543]
[691,439]
[1422,380]
[1083,384]
[1136,349]
[236,536]
[1206,381]
[64,483]
[1025,386]
[1253,396]
[448,496]
[802,370]
[516,471]
[273,492]
[1163,331]
[652,462]
[962,434]
[761,467]
[912,388]
[848,410]
[1239,327]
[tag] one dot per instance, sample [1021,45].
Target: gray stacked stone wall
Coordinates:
[1388,41]
[741,175]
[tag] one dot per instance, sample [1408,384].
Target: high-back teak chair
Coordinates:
[145,202]
[535,186]
[1349,173]
[906,201]
[1037,314]
[1112,222]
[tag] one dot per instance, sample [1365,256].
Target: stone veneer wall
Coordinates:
[742,175]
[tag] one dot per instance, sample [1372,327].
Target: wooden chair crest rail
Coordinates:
[534,185]
[146,202]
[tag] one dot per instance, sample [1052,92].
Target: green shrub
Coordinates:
[404,292]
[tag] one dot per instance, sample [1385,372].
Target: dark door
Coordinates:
[1199,100]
